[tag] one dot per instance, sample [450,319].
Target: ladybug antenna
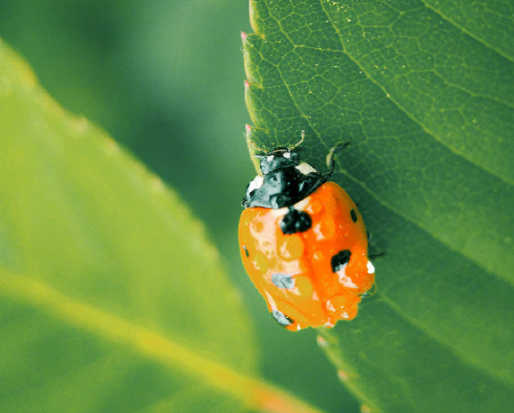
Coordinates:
[331,163]
[302,134]
[256,147]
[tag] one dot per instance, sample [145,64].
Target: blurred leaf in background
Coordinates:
[107,282]
[166,80]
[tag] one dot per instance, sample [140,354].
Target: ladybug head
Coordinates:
[280,158]
[284,180]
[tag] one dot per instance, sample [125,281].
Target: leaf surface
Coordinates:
[424,93]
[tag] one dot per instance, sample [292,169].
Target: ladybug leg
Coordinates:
[374,255]
[377,255]
[331,163]
[302,138]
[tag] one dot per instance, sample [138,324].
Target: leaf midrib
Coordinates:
[426,229]
[254,393]
[390,303]
[454,349]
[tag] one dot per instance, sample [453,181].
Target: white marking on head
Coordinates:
[255,184]
[371,269]
[305,168]
[270,158]
[287,155]
[298,328]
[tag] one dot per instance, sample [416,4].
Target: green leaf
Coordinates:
[424,91]
[111,299]
[103,270]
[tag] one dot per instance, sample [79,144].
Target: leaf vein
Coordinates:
[426,229]
[449,345]
[467,32]
[406,112]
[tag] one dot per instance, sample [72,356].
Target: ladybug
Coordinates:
[303,242]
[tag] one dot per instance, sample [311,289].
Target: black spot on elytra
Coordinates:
[281,318]
[340,259]
[282,280]
[246,251]
[353,215]
[295,221]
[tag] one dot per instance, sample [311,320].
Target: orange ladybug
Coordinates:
[303,243]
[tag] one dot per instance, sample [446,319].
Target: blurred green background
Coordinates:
[165,79]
